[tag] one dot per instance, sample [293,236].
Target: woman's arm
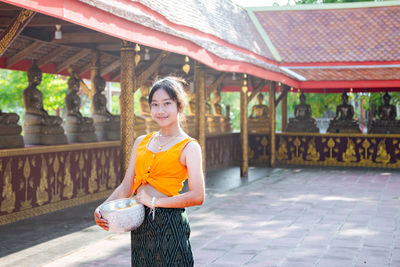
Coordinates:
[195,196]
[124,189]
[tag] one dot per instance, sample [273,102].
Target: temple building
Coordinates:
[216,46]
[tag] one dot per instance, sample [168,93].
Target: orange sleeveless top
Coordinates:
[163,170]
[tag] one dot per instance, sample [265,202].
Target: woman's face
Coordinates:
[163,109]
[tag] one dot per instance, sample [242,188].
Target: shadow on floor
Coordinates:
[32,231]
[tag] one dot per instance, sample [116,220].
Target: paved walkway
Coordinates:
[290,217]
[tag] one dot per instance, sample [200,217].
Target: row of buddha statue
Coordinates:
[40,128]
[216,121]
[383,121]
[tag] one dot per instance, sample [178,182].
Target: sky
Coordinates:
[252,3]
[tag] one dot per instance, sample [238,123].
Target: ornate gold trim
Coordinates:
[17,216]
[339,164]
[339,134]
[12,32]
[59,148]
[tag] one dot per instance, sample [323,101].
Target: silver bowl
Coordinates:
[123,214]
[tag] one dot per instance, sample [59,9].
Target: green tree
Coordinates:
[13,83]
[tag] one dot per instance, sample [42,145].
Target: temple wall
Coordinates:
[222,150]
[39,180]
[355,150]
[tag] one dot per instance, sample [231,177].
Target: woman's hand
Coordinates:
[100,221]
[144,198]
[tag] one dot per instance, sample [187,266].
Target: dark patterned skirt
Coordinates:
[164,241]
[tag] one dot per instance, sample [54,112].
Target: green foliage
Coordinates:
[321,103]
[13,83]
[232,99]
[54,88]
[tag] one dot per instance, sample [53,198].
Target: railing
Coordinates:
[38,180]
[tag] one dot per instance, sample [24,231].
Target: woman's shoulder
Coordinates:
[140,138]
[192,145]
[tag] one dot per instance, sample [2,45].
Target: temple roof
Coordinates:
[339,34]
[326,46]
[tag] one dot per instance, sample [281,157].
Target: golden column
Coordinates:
[94,69]
[200,87]
[284,110]
[244,137]
[126,102]
[271,96]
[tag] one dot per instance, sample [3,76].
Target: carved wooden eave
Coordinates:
[284,92]
[215,85]
[53,54]
[149,71]
[24,53]
[110,67]
[256,89]
[83,53]
[8,36]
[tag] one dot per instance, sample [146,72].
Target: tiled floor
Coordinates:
[285,217]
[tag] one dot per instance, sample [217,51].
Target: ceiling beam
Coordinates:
[256,89]
[143,76]
[37,22]
[285,90]
[110,67]
[50,56]
[84,69]
[8,7]
[23,53]
[109,47]
[216,83]
[83,53]
[85,37]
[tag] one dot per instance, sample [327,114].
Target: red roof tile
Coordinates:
[353,74]
[334,35]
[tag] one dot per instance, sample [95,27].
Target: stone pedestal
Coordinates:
[384,127]
[107,131]
[258,126]
[77,132]
[41,134]
[213,125]
[301,126]
[343,126]
[10,136]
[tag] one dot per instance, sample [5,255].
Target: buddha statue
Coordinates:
[258,121]
[343,122]
[387,112]
[386,122]
[302,121]
[107,125]
[212,122]
[222,120]
[145,114]
[39,127]
[10,131]
[77,127]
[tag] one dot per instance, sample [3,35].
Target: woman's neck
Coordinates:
[170,130]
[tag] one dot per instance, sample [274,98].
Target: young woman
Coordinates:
[160,163]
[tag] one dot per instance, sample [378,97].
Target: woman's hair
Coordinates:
[174,88]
